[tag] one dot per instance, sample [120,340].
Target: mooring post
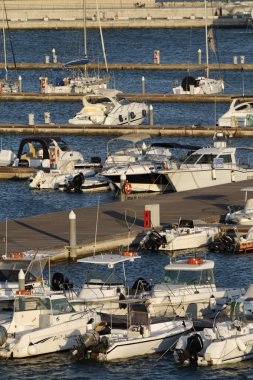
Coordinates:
[21,280]
[151,116]
[143,85]
[122,187]
[72,235]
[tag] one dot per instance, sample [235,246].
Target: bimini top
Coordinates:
[109,258]
[44,142]
[194,264]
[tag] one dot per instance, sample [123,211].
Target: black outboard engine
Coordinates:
[193,347]
[77,182]
[60,282]
[142,285]
[154,241]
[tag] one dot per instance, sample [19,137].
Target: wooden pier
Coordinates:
[51,232]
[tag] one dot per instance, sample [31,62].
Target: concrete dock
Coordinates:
[51,232]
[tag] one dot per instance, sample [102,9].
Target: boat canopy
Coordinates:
[107,259]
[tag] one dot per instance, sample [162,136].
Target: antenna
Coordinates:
[129,223]
[6,236]
[96,230]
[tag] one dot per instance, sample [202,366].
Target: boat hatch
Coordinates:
[188,277]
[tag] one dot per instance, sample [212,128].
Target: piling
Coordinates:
[151,116]
[47,117]
[31,119]
[199,57]
[20,83]
[122,186]
[72,235]
[143,85]
[21,280]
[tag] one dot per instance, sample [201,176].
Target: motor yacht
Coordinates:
[239,114]
[106,109]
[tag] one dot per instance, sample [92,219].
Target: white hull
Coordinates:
[161,339]
[189,179]
[206,86]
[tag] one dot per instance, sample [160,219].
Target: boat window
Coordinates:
[98,277]
[11,275]
[192,159]
[31,303]
[61,306]
[99,100]
[227,159]
[206,159]
[6,306]
[188,277]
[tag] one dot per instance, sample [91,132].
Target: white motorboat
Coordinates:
[234,242]
[106,109]
[243,215]
[202,85]
[105,283]
[211,166]
[43,323]
[79,183]
[141,176]
[187,287]
[51,180]
[240,114]
[140,338]
[230,341]
[45,153]
[184,235]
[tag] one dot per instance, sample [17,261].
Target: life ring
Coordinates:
[127,188]
[23,292]
[195,261]
[17,255]
[129,254]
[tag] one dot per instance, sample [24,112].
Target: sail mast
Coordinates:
[84,35]
[207,56]
[4,47]
[101,36]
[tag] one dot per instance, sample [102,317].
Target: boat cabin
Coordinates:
[189,272]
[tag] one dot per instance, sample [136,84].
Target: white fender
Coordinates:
[213,174]
[240,344]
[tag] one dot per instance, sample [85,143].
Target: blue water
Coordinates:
[17,201]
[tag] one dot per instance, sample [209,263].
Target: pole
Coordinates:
[72,235]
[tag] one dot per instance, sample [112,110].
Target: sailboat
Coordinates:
[82,84]
[202,85]
[5,85]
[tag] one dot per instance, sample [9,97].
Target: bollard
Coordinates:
[21,280]
[151,116]
[72,235]
[157,57]
[235,59]
[242,58]
[122,186]
[20,83]
[31,118]
[143,85]
[47,117]
[54,56]
[199,56]
[47,59]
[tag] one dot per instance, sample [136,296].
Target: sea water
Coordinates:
[17,201]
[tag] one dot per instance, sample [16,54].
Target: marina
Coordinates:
[55,307]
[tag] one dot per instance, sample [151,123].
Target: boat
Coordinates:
[243,215]
[229,341]
[187,287]
[52,180]
[80,184]
[239,114]
[81,83]
[141,337]
[211,166]
[181,236]
[232,241]
[202,85]
[7,157]
[43,323]
[45,153]
[106,109]
[105,284]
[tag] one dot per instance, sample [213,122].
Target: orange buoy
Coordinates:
[195,261]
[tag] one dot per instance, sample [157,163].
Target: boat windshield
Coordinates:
[57,306]
[97,277]
[192,159]
[242,311]
[188,277]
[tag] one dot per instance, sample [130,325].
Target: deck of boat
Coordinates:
[51,231]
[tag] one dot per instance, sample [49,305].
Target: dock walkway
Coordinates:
[51,231]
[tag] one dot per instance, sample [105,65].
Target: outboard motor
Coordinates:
[77,182]
[193,347]
[154,241]
[60,282]
[142,285]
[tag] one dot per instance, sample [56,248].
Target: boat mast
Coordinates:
[102,39]
[84,35]
[207,56]
[4,46]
